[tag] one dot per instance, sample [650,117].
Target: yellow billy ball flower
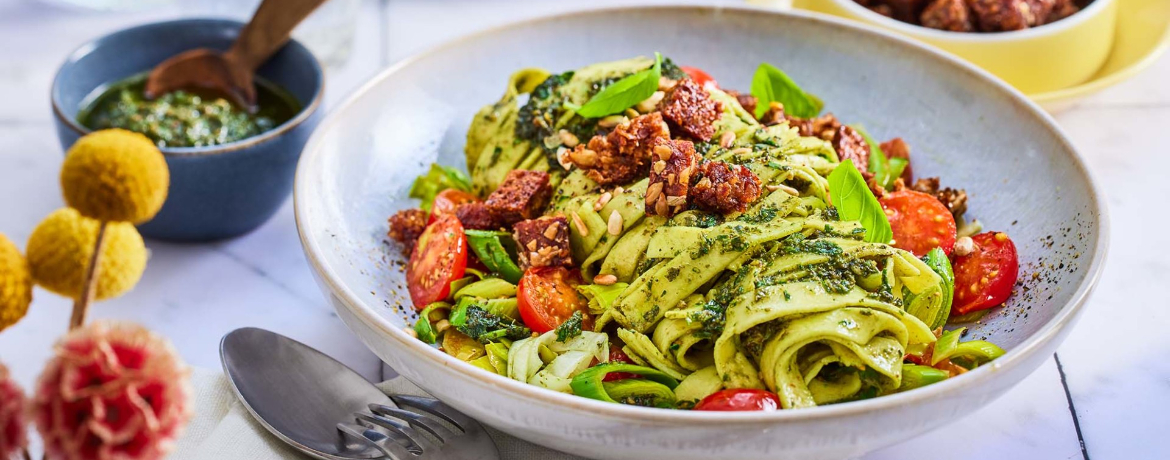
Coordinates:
[115,175]
[60,248]
[15,284]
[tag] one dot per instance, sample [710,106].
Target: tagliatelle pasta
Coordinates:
[697,267]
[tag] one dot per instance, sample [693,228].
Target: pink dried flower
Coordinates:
[13,426]
[112,391]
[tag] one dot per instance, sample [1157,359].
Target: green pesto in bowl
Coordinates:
[185,118]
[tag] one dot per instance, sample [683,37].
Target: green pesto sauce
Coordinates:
[186,118]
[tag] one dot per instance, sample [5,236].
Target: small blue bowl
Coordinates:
[216,192]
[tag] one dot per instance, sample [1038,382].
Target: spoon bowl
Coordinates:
[230,73]
[205,69]
[298,393]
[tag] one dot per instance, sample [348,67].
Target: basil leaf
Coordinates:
[489,248]
[770,84]
[878,164]
[886,170]
[897,167]
[854,201]
[437,179]
[624,93]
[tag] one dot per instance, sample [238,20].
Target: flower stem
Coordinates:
[89,287]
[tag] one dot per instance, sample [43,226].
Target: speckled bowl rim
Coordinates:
[593,408]
[1094,8]
[307,111]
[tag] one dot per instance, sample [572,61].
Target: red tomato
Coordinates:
[446,202]
[699,76]
[984,278]
[439,258]
[740,400]
[616,355]
[919,221]
[548,296]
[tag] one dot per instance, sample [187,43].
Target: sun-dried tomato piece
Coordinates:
[850,145]
[544,242]
[406,226]
[747,101]
[951,15]
[1061,9]
[522,195]
[623,155]
[954,199]
[898,148]
[478,216]
[674,165]
[689,107]
[1001,15]
[725,188]
[906,10]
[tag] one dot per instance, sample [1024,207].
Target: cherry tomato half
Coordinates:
[616,355]
[439,258]
[548,296]
[740,400]
[984,278]
[699,76]
[446,202]
[919,222]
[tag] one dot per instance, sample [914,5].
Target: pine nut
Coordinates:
[602,201]
[568,139]
[615,223]
[604,280]
[727,139]
[785,188]
[580,224]
[663,152]
[611,121]
[964,246]
[651,102]
[653,191]
[410,331]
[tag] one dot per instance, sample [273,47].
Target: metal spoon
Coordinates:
[311,402]
[230,73]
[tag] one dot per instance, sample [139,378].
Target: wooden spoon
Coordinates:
[230,73]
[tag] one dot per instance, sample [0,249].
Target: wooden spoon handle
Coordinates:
[268,30]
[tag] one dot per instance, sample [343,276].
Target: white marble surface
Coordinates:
[1113,363]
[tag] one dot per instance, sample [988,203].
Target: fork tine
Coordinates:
[416,420]
[377,439]
[439,409]
[396,426]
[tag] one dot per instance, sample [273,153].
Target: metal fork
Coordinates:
[398,433]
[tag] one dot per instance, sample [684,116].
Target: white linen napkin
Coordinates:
[222,429]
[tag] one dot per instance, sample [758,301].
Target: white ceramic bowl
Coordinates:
[1021,172]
